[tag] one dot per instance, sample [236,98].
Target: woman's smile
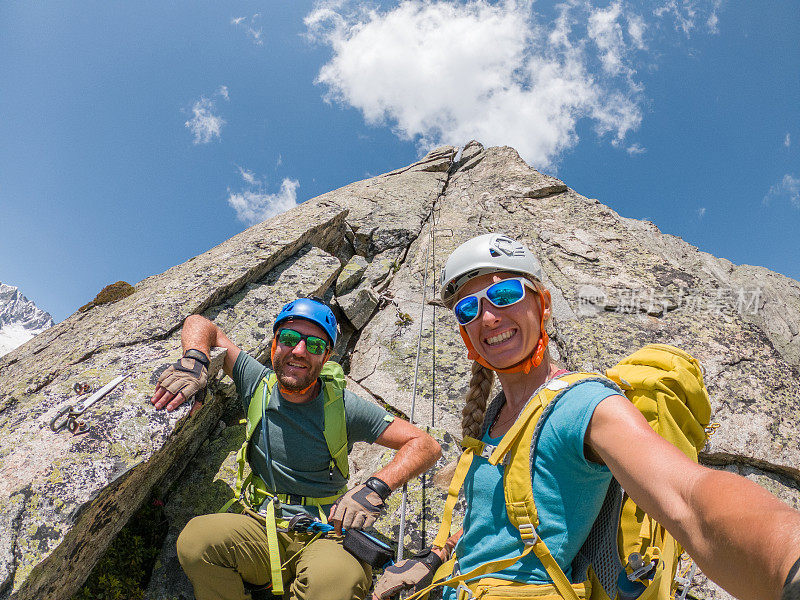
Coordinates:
[499,338]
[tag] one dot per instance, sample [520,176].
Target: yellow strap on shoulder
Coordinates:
[254,412]
[511,437]
[335,426]
[274,550]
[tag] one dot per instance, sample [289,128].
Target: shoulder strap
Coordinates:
[254,409]
[254,415]
[335,419]
[335,426]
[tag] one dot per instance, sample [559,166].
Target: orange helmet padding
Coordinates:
[526,364]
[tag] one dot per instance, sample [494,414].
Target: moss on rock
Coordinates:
[110,293]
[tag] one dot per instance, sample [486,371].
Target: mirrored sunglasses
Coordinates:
[290,338]
[501,294]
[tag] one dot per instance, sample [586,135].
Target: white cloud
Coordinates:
[447,72]
[787,141]
[687,13]
[248,176]
[788,187]
[223,91]
[636,29]
[248,24]
[204,124]
[635,149]
[254,204]
[713,23]
[606,32]
[701,212]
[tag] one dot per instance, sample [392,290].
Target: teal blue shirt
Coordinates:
[567,488]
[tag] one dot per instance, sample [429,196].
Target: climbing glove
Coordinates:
[411,574]
[791,590]
[189,376]
[360,506]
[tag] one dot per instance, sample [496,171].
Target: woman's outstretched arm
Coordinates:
[739,534]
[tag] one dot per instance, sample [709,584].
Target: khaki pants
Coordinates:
[220,551]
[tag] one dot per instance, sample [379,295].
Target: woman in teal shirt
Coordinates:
[739,534]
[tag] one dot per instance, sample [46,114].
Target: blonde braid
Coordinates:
[480,386]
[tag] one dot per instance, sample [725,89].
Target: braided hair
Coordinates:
[480,386]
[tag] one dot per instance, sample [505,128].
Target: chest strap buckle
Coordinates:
[528,534]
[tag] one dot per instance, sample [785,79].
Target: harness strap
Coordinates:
[274,550]
[259,492]
[490,567]
[560,581]
[515,589]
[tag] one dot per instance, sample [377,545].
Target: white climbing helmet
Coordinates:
[486,253]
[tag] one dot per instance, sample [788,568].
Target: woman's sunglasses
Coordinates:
[290,338]
[501,294]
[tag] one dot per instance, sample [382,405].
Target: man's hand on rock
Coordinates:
[186,378]
[360,506]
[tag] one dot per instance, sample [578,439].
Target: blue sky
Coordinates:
[134,136]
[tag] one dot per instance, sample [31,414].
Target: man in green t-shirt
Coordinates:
[226,554]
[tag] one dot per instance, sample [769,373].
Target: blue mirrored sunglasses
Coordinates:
[501,294]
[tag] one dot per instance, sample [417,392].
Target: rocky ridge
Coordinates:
[374,249]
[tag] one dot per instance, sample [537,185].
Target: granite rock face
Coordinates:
[374,249]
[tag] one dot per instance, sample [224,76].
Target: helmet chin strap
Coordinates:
[526,364]
[282,389]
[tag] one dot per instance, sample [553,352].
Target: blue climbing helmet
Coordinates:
[310,309]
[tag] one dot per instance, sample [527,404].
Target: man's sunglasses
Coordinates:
[501,294]
[314,344]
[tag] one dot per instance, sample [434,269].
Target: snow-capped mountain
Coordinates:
[20,319]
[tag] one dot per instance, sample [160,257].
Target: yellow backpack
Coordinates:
[666,385]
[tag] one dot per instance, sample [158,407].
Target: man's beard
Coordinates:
[295,384]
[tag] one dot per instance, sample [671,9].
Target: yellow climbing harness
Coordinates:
[666,385]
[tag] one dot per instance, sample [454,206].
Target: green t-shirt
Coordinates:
[297,447]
